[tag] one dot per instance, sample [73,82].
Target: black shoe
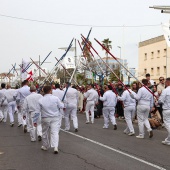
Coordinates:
[25,128]
[150,134]
[115,127]
[76,130]
[19,125]
[12,124]
[39,138]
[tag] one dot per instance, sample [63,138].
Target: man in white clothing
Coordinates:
[3,104]
[10,96]
[31,110]
[71,107]
[59,93]
[92,98]
[22,93]
[109,102]
[50,106]
[129,110]
[145,105]
[164,99]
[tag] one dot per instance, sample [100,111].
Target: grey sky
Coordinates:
[23,39]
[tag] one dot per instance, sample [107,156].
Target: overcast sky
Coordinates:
[23,39]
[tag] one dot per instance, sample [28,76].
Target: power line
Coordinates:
[76,25]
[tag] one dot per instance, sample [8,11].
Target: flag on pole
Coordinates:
[166,31]
[30,78]
[69,62]
[23,67]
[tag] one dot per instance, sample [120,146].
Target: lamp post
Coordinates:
[120,61]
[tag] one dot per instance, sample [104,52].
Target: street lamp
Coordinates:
[120,61]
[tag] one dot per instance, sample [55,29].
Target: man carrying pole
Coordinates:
[109,102]
[91,97]
[145,105]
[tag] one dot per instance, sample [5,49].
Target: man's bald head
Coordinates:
[32,88]
[8,86]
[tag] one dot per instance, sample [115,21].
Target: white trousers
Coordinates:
[20,115]
[3,112]
[129,113]
[142,116]
[166,118]
[109,113]
[50,131]
[71,110]
[90,107]
[11,110]
[32,128]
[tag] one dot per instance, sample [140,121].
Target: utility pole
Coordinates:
[75,50]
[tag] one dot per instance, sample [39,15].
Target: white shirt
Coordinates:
[59,93]
[109,99]
[144,97]
[91,95]
[127,100]
[22,93]
[31,103]
[50,106]
[10,94]
[3,100]
[72,96]
[165,98]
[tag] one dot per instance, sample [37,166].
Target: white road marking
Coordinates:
[115,150]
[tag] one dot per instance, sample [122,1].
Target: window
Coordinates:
[145,56]
[164,69]
[152,54]
[165,53]
[145,71]
[158,71]
[158,55]
[151,71]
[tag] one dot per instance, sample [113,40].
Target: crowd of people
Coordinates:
[41,114]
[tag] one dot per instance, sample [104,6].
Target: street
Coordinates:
[91,148]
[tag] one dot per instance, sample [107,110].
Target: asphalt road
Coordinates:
[91,148]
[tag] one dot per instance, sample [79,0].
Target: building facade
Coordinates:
[153,58]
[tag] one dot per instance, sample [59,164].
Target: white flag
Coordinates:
[166,30]
[69,62]
[24,66]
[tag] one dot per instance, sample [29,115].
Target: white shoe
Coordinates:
[66,129]
[125,132]
[140,137]
[44,148]
[1,119]
[55,150]
[33,140]
[92,122]
[131,134]
[104,127]
[166,143]
[87,122]
[12,124]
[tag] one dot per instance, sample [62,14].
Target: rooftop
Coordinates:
[151,41]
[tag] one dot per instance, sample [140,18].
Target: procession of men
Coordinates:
[41,114]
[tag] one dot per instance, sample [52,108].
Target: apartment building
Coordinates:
[153,58]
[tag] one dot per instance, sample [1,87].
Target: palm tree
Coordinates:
[86,51]
[108,46]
